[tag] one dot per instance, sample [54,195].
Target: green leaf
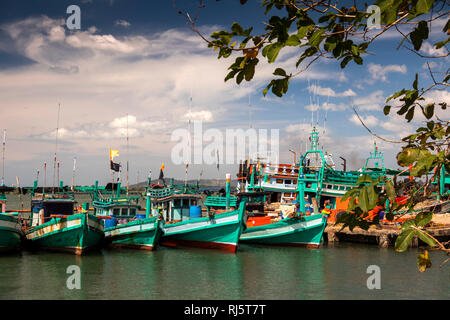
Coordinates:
[386,110]
[429,110]
[363,200]
[316,38]
[231,74]
[423,261]
[408,224]
[280,72]
[271,51]
[407,156]
[240,77]
[358,60]
[423,218]
[236,28]
[293,41]
[410,115]
[419,34]
[345,61]
[415,81]
[425,237]
[373,197]
[423,6]
[404,239]
[390,191]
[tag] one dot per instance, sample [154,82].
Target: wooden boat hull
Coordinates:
[10,233]
[219,232]
[303,232]
[140,234]
[75,234]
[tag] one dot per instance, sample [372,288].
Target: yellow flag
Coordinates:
[113,153]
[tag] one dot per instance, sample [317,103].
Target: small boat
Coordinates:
[126,225]
[305,231]
[185,225]
[55,226]
[10,229]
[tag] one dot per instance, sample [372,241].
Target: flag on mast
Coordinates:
[161,173]
[112,155]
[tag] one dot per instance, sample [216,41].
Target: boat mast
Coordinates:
[56,148]
[45,177]
[127,157]
[73,172]
[3,157]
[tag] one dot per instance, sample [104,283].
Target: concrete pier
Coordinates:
[384,236]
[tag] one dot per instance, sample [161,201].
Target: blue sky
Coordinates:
[139,58]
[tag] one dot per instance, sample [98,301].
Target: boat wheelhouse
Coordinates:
[186,224]
[126,223]
[55,226]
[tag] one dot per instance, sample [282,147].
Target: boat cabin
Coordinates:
[176,207]
[117,208]
[46,207]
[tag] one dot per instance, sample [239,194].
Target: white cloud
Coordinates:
[379,72]
[317,90]
[203,115]
[368,120]
[430,50]
[122,23]
[312,107]
[374,101]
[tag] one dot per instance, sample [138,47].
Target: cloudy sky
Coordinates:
[138,58]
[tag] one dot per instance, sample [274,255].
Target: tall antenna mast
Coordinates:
[73,172]
[189,130]
[56,147]
[3,157]
[45,177]
[127,157]
[249,113]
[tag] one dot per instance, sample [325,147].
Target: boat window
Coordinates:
[185,203]
[287,181]
[116,211]
[177,203]
[279,180]
[124,211]
[295,181]
[132,211]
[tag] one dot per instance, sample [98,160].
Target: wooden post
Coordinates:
[383,241]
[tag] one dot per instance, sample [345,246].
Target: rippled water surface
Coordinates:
[254,272]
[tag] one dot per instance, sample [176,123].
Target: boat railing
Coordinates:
[212,201]
[173,189]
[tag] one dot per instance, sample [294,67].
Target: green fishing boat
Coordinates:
[126,224]
[10,228]
[55,226]
[186,225]
[305,231]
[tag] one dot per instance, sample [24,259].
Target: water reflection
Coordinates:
[254,272]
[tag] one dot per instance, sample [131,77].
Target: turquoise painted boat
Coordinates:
[55,226]
[185,225]
[139,234]
[10,233]
[10,228]
[125,224]
[306,231]
[220,231]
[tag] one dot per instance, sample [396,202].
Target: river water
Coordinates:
[254,272]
